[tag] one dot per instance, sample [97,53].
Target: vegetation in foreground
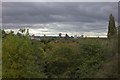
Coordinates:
[23,57]
[26,58]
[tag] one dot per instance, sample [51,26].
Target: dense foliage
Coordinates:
[21,58]
[67,58]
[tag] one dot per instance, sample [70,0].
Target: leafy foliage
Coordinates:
[68,58]
[21,58]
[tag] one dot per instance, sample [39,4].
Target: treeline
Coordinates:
[25,58]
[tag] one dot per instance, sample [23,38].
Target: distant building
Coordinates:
[60,35]
[35,38]
[38,39]
[44,35]
[82,36]
[75,36]
[33,35]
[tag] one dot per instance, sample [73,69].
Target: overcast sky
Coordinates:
[51,18]
[60,0]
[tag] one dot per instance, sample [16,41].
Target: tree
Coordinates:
[67,36]
[21,58]
[4,34]
[112,31]
[22,30]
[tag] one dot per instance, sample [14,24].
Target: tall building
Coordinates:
[82,36]
[75,36]
[44,35]
[60,35]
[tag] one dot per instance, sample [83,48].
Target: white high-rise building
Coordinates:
[75,36]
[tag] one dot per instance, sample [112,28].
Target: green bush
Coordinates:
[21,58]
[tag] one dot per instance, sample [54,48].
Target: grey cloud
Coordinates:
[60,0]
[64,12]
[73,16]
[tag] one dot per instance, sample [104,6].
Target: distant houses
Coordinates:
[75,36]
[33,37]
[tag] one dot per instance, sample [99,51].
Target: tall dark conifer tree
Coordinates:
[112,31]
